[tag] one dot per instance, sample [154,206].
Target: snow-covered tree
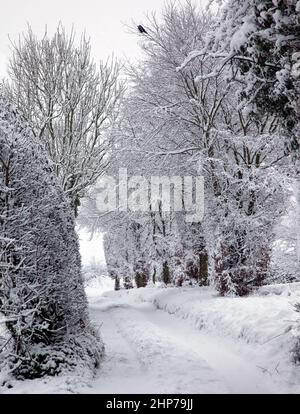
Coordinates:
[261,39]
[197,109]
[285,258]
[69,102]
[42,299]
[183,116]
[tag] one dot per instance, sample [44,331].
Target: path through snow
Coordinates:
[185,341]
[151,351]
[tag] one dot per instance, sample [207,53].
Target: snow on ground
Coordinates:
[98,285]
[198,341]
[188,340]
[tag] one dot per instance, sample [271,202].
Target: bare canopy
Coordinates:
[69,102]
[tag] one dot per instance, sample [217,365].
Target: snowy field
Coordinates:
[187,340]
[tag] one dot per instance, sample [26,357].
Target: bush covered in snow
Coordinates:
[42,299]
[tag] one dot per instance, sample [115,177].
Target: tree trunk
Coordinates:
[203,268]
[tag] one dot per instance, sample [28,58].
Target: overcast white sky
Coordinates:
[103,21]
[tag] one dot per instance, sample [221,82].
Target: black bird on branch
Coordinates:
[141,29]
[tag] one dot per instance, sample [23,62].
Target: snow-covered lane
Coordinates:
[150,351]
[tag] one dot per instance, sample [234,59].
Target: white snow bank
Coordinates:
[266,321]
[280,289]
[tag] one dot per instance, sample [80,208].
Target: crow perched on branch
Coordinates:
[141,29]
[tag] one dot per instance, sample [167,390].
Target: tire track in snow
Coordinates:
[240,373]
[120,369]
[142,358]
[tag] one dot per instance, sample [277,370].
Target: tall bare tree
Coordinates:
[69,102]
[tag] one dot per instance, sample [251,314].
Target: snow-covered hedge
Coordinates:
[42,297]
